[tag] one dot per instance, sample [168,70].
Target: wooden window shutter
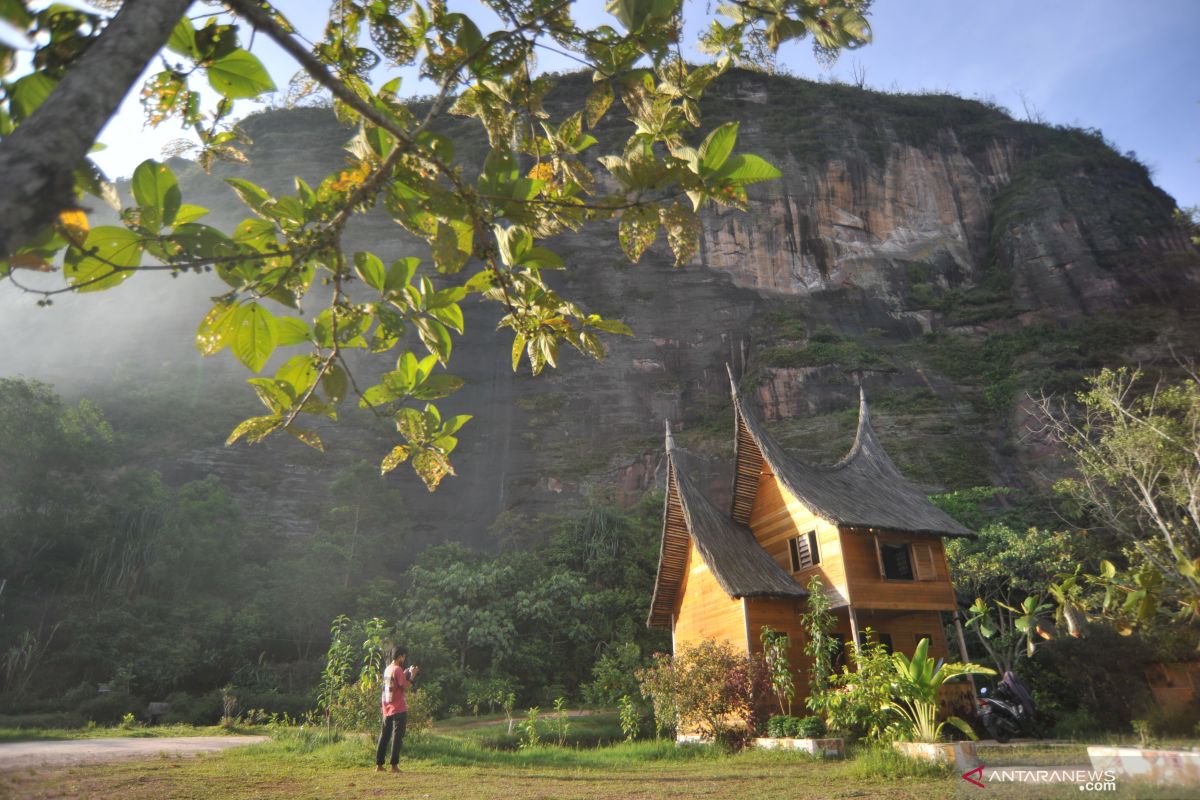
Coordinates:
[879,555]
[923,561]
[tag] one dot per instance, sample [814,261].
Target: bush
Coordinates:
[110,707]
[189,709]
[1077,724]
[54,719]
[808,727]
[709,689]
[785,727]
[855,702]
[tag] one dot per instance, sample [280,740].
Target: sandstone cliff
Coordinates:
[947,256]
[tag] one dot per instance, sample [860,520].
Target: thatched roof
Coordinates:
[863,490]
[729,549]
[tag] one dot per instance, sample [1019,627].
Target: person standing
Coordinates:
[396,678]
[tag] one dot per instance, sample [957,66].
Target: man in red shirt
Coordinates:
[395,709]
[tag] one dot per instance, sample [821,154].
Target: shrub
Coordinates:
[614,675]
[55,719]
[781,727]
[808,727]
[203,709]
[855,703]
[709,689]
[1077,724]
[421,707]
[110,707]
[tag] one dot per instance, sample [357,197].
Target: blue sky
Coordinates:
[1130,69]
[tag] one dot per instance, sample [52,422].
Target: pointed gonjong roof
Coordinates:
[728,548]
[863,490]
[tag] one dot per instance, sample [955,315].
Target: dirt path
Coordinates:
[17,755]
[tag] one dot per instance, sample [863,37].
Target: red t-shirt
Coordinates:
[395,679]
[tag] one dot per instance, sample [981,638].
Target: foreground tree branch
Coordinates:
[39,158]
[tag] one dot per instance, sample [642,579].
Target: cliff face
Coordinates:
[947,256]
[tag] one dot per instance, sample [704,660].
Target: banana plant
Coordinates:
[915,690]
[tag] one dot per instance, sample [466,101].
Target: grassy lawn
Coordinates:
[474,757]
[467,759]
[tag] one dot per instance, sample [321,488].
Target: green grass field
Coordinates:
[466,758]
[470,758]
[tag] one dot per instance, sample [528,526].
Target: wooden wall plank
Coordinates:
[705,610]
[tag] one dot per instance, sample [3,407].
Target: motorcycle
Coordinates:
[1008,711]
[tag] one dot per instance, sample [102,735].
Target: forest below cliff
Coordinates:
[949,258]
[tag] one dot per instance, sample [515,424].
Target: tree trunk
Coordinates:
[38,159]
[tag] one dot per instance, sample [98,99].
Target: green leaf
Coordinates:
[397,456]
[252,194]
[514,242]
[254,429]
[683,231]
[213,334]
[277,396]
[28,93]
[189,213]
[99,266]
[747,168]
[370,269]
[289,331]
[253,336]
[299,372]
[436,338]
[432,467]
[717,146]
[452,246]
[453,424]
[307,437]
[334,383]
[517,348]
[155,188]
[451,316]
[400,273]
[437,386]
[597,103]
[638,230]
[183,39]
[239,75]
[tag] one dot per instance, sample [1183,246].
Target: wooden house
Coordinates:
[875,540]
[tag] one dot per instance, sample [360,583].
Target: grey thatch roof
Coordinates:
[729,549]
[863,490]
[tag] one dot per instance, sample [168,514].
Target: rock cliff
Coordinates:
[950,258]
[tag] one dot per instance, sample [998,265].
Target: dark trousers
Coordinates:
[396,724]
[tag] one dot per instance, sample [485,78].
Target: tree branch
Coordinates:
[38,160]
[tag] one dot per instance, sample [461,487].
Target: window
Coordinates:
[803,550]
[896,561]
[922,553]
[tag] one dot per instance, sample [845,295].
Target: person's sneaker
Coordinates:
[394,768]
[379,767]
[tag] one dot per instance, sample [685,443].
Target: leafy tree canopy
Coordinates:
[487,227]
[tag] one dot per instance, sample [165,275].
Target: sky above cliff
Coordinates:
[1128,69]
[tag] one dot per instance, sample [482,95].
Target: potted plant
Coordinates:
[914,690]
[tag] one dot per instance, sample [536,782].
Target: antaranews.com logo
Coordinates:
[1088,780]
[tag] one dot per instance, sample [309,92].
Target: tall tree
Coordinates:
[534,182]
[1135,447]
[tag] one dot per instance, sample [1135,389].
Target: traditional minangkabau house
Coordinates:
[873,538]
